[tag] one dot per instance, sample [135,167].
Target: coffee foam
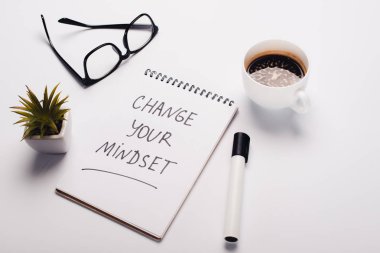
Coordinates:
[291,55]
[275,68]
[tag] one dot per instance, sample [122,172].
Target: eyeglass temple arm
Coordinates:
[113,26]
[56,52]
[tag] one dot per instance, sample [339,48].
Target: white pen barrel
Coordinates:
[234,199]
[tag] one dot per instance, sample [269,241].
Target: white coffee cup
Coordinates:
[293,95]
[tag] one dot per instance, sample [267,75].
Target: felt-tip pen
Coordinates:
[239,158]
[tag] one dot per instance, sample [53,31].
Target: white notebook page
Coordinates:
[142,179]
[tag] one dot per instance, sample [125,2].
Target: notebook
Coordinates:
[137,163]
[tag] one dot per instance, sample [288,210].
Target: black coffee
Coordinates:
[275,70]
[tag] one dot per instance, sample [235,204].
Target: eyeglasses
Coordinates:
[106,58]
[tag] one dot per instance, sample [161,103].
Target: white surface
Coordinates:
[170,167]
[234,197]
[312,181]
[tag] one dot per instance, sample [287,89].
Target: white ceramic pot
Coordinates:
[53,144]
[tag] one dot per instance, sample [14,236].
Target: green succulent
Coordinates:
[43,117]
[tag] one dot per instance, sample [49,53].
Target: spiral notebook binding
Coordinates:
[186,86]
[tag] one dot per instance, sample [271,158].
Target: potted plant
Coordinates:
[47,126]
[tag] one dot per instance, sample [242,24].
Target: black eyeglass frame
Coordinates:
[87,80]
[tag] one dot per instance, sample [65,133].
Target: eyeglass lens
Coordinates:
[137,38]
[104,59]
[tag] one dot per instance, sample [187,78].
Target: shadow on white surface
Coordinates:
[72,34]
[230,246]
[275,121]
[44,163]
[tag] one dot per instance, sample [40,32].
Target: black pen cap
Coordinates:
[241,145]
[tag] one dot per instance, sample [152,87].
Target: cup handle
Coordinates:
[302,102]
